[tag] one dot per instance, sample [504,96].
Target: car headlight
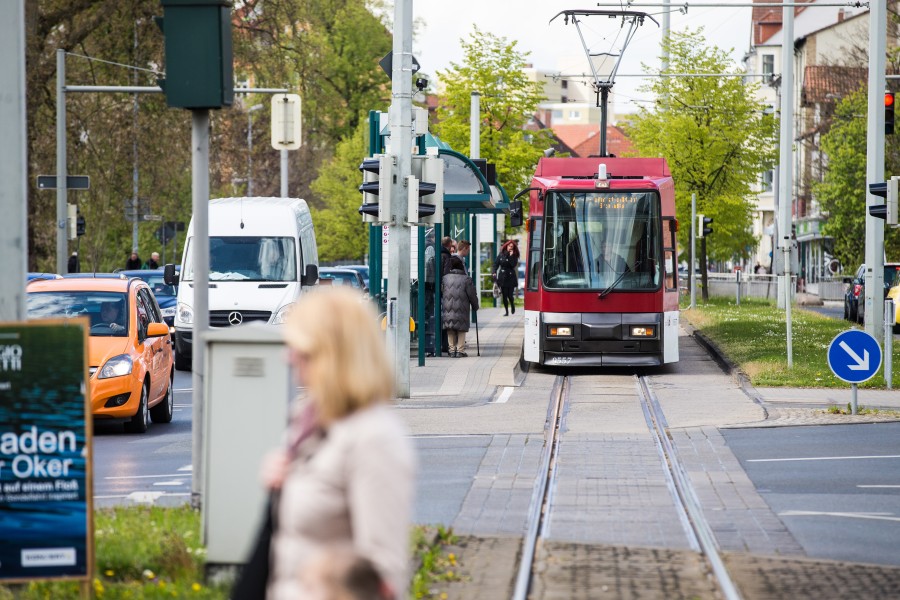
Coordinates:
[282,313]
[185,313]
[560,331]
[168,312]
[117,366]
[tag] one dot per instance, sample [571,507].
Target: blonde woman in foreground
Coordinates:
[345,479]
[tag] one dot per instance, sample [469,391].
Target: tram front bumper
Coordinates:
[601,339]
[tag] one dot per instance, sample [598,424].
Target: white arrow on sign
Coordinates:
[862,364]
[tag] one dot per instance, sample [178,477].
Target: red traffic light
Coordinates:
[888,99]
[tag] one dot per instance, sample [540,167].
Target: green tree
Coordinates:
[340,231]
[328,52]
[495,67]
[842,192]
[715,137]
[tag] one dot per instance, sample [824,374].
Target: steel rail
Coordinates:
[686,493]
[540,492]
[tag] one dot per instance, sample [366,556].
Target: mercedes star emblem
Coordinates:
[235,318]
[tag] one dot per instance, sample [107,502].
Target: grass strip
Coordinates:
[155,553]
[753,337]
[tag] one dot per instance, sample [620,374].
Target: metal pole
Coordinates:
[420,298]
[889,317]
[398,230]
[786,168]
[284,174]
[200,203]
[13,166]
[134,158]
[853,404]
[475,125]
[692,273]
[250,152]
[738,289]
[62,198]
[875,166]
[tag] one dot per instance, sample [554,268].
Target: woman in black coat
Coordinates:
[505,274]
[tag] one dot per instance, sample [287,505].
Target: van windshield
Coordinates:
[247,259]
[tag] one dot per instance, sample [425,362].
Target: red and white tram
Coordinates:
[601,285]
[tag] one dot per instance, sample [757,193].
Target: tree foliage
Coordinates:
[340,231]
[494,67]
[327,50]
[715,137]
[842,192]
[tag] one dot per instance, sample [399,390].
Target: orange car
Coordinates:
[130,351]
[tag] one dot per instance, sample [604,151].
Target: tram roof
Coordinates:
[616,168]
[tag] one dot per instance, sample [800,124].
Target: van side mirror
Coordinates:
[515,213]
[311,276]
[169,275]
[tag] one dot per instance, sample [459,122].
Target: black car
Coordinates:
[854,298]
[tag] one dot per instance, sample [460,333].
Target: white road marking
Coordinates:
[892,487]
[821,458]
[811,513]
[504,395]
[147,476]
[144,497]
[187,468]
[190,389]
[170,483]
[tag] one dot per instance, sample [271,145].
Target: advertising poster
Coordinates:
[45,434]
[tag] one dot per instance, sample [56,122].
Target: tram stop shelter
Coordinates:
[470,189]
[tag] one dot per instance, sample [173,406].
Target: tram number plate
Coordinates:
[560,360]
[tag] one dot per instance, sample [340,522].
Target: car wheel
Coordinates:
[853,314]
[182,363]
[163,411]
[141,419]
[846,311]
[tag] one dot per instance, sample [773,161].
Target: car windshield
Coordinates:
[601,240]
[891,275]
[340,278]
[157,284]
[247,259]
[106,310]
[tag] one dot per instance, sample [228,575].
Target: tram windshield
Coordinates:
[601,241]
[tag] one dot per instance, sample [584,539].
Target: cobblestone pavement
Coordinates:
[486,568]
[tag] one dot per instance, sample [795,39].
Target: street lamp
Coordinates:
[250,112]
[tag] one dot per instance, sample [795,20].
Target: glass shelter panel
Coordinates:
[602,240]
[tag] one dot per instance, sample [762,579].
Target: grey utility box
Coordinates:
[246,405]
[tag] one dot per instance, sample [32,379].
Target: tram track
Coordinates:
[697,530]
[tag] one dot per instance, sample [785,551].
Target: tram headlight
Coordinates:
[645,331]
[560,331]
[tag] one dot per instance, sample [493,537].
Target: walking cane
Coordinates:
[477,341]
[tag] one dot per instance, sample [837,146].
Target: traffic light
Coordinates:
[198,53]
[888,113]
[703,228]
[889,191]
[379,177]
[425,199]
[80,226]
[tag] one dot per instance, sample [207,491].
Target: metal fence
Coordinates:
[766,286]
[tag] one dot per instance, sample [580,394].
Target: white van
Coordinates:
[262,253]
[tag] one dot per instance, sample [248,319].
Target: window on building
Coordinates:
[574,114]
[557,114]
[768,67]
[767,179]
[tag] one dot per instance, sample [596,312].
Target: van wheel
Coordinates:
[163,411]
[141,419]
[182,363]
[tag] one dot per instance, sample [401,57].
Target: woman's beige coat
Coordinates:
[352,488]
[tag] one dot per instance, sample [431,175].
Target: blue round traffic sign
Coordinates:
[854,356]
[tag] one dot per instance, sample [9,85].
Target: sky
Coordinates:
[556,46]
